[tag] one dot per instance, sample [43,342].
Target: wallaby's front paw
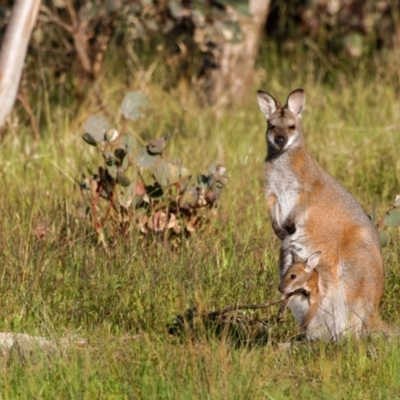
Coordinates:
[281,233]
[290,228]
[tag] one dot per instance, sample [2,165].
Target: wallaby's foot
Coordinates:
[279,231]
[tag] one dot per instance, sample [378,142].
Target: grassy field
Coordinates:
[122,302]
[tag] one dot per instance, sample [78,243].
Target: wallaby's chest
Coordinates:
[284,185]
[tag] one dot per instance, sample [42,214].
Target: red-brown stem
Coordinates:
[94,204]
[381,222]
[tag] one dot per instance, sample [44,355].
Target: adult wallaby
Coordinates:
[301,279]
[310,211]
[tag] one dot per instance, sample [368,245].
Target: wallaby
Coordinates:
[310,211]
[301,279]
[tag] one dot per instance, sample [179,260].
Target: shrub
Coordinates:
[143,188]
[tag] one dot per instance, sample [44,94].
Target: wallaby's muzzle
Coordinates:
[280,141]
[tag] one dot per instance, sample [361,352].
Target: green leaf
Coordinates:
[129,142]
[190,198]
[97,126]
[384,238]
[392,218]
[123,180]
[88,138]
[166,173]
[212,169]
[125,196]
[133,105]
[112,171]
[161,173]
[157,146]
[145,159]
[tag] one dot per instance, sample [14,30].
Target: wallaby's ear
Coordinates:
[296,258]
[267,103]
[296,101]
[312,261]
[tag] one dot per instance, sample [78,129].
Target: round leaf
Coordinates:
[129,141]
[133,105]
[112,171]
[145,159]
[189,198]
[125,196]
[384,238]
[97,126]
[392,218]
[157,146]
[88,138]
[123,180]
[161,173]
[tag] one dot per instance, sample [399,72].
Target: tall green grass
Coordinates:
[65,285]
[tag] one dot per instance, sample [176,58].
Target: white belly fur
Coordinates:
[286,189]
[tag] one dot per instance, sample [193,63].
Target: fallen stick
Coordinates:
[27,343]
[284,299]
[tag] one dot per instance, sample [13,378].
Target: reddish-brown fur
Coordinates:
[310,211]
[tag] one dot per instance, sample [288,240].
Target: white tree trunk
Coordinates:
[233,78]
[13,52]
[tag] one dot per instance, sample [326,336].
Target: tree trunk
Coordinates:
[13,52]
[232,80]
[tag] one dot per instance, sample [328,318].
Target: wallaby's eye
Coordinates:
[293,276]
[271,127]
[292,127]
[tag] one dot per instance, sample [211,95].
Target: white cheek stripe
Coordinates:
[290,141]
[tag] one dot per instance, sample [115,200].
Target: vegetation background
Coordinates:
[345,54]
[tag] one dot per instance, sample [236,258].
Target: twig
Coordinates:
[259,306]
[54,18]
[72,13]
[381,223]
[97,226]
[24,100]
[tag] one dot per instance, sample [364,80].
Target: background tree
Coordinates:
[13,52]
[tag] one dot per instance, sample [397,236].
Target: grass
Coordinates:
[66,285]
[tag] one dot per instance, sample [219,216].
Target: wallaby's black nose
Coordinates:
[280,140]
[280,289]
